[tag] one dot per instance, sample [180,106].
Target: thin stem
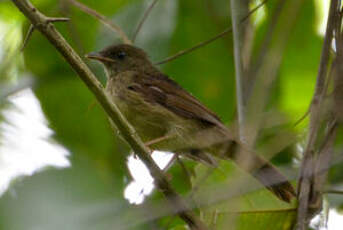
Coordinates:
[40,21]
[308,161]
[145,16]
[52,19]
[103,19]
[267,72]
[32,29]
[27,37]
[265,46]
[332,191]
[204,43]
[323,164]
[237,7]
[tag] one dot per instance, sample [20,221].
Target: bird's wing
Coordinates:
[160,89]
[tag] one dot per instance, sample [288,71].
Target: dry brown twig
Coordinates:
[103,19]
[32,29]
[307,167]
[333,191]
[322,165]
[145,16]
[204,43]
[42,24]
[27,37]
[212,195]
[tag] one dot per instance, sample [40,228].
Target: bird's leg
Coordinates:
[158,140]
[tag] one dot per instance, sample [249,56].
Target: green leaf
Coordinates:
[230,197]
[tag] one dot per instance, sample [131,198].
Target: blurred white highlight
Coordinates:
[27,144]
[143,184]
[322,12]
[335,220]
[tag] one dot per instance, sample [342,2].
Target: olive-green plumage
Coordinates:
[159,109]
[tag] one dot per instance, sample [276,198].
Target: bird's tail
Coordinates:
[263,171]
[277,183]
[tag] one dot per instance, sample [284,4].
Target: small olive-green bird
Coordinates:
[168,118]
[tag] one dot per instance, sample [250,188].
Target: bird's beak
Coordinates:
[99,57]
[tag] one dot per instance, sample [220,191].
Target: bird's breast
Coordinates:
[142,115]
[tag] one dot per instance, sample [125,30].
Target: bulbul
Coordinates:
[168,118]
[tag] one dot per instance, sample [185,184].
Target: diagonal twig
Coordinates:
[32,28]
[103,19]
[265,46]
[145,16]
[322,165]
[40,21]
[27,37]
[267,72]
[304,187]
[204,43]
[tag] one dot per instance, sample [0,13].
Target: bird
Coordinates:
[168,118]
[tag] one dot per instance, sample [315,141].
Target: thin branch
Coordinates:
[32,28]
[210,195]
[103,19]
[333,191]
[199,45]
[303,116]
[27,37]
[187,173]
[308,111]
[204,43]
[308,161]
[265,47]
[323,165]
[267,72]
[237,7]
[40,21]
[52,19]
[145,16]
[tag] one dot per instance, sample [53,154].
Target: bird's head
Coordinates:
[120,58]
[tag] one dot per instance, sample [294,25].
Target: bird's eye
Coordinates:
[121,55]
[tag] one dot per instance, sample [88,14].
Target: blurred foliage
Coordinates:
[90,193]
[256,207]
